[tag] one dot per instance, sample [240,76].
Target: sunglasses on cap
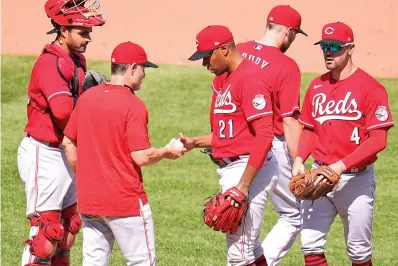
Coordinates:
[333,47]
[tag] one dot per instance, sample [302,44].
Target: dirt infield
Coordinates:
[167,29]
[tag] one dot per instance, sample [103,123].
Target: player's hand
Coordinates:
[188,143]
[241,188]
[339,167]
[175,149]
[298,166]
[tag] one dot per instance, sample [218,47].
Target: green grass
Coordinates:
[178,99]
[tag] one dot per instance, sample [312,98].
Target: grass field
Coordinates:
[178,99]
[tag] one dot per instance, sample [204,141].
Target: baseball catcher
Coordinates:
[314,183]
[225,211]
[56,82]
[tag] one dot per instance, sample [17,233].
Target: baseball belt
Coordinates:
[351,170]
[221,162]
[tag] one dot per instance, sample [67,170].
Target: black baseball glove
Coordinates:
[93,78]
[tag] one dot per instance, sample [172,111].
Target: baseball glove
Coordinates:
[93,78]
[302,186]
[210,153]
[221,215]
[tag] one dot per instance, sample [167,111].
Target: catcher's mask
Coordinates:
[81,13]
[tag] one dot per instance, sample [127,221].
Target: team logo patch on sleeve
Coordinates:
[259,102]
[381,113]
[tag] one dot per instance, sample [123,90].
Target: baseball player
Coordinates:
[283,74]
[55,83]
[241,124]
[113,145]
[346,116]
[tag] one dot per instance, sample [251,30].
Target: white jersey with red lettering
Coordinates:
[284,77]
[342,113]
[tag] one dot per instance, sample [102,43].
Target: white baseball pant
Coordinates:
[281,237]
[49,181]
[244,247]
[134,234]
[353,199]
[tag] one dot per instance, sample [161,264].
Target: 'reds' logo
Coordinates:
[331,110]
[224,100]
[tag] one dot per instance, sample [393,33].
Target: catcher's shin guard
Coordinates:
[72,225]
[61,258]
[27,256]
[44,244]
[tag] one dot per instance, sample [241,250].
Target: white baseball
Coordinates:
[177,144]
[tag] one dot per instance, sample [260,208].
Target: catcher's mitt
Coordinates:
[210,153]
[93,78]
[302,186]
[221,215]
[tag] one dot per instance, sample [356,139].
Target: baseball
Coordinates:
[177,144]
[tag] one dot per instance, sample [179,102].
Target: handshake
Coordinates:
[177,147]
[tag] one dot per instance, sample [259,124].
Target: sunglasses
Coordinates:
[333,47]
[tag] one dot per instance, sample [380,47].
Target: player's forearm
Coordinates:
[261,145]
[149,156]
[292,130]
[70,149]
[376,142]
[202,141]
[247,179]
[305,144]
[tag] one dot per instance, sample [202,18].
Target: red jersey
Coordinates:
[283,74]
[108,123]
[238,98]
[45,85]
[343,112]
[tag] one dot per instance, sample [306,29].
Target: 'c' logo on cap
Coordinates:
[329,30]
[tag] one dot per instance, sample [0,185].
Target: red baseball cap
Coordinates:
[336,32]
[209,39]
[287,16]
[129,53]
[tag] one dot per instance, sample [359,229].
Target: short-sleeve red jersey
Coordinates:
[343,112]
[108,123]
[45,85]
[283,74]
[238,98]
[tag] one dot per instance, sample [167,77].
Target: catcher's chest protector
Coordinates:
[71,70]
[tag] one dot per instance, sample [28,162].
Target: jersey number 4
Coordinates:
[222,125]
[355,136]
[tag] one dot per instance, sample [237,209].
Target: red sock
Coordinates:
[368,263]
[260,261]
[315,260]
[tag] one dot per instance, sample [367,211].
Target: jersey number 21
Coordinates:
[223,125]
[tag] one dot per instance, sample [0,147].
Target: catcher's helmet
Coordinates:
[83,13]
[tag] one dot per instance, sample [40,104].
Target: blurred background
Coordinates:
[167,29]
